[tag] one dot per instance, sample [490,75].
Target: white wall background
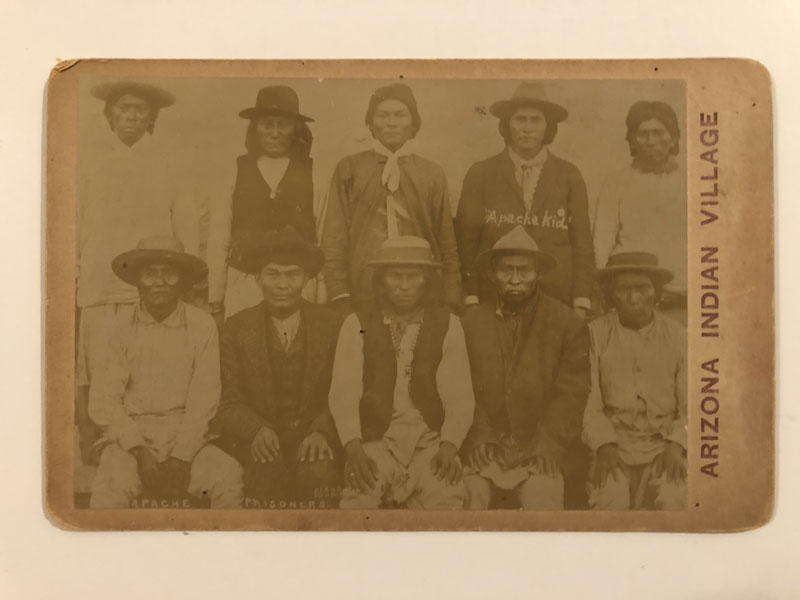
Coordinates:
[42,562]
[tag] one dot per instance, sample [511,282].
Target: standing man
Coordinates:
[157,386]
[636,417]
[530,370]
[126,193]
[276,370]
[526,184]
[383,193]
[400,396]
[643,207]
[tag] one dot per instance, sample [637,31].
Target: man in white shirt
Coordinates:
[157,387]
[401,396]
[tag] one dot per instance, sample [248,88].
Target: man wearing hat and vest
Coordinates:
[401,396]
[126,192]
[381,193]
[530,371]
[273,189]
[277,358]
[527,185]
[636,417]
[157,386]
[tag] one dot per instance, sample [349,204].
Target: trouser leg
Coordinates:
[614,494]
[432,493]
[117,480]
[542,492]
[319,481]
[479,492]
[354,498]
[266,482]
[217,476]
[669,495]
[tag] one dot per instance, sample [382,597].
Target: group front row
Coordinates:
[407,406]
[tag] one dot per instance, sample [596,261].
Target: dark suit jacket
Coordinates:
[248,397]
[491,205]
[539,393]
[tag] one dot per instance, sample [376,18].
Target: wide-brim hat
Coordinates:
[405,251]
[530,94]
[276,99]
[158,249]
[287,246]
[112,90]
[518,241]
[637,262]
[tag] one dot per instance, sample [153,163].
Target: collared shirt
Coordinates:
[638,396]
[527,172]
[639,211]
[127,194]
[272,170]
[286,328]
[159,384]
[407,426]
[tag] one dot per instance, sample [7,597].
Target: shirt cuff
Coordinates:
[127,439]
[470,300]
[339,297]
[582,302]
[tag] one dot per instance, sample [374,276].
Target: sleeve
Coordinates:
[451,276]
[186,219]
[580,235]
[347,386]
[598,429]
[563,420]
[454,388]
[335,236]
[235,418]
[323,422]
[202,397]
[219,241]
[107,395]
[605,227]
[679,430]
[468,225]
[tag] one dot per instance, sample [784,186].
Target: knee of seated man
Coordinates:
[542,492]
[670,495]
[318,473]
[614,494]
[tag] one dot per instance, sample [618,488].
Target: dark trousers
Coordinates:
[287,482]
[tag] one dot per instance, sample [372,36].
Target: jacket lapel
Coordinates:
[259,358]
[506,168]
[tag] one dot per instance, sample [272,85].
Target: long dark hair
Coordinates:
[301,146]
[505,129]
[644,111]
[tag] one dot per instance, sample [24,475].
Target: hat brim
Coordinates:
[159,97]
[388,262]
[309,257]
[663,275]
[255,112]
[545,261]
[126,266]
[554,112]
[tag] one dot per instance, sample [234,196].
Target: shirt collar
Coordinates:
[647,332]
[536,161]
[669,166]
[177,318]
[415,318]
[404,150]
[289,322]
[528,308]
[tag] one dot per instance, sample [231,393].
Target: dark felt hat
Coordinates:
[275,99]
[395,91]
[287,247]
[159,249]
[637,262]
[156,96]
[529,94]
[518,241]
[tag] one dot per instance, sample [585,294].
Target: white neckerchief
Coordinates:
[272,170]
[527,173]
[390,178]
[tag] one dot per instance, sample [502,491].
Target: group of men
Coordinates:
[399,391]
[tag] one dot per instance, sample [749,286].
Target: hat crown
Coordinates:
[156,96]
[516,239]
[278,97]
[160,242]
[530,90]
[405,250]
[632,259]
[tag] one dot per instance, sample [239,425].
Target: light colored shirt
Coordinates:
[287,328]
[272,170]
[527,172]
[407,426]
[639,211]
[127,194]
[638,396]
[159,385]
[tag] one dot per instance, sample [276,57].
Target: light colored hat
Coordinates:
[158,249]
[638,262]
[158,97]
[405,250]
[530,94]
[518,241]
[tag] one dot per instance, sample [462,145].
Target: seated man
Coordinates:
[636,419]
[530,369]
[158,387]
[276,369]
[400,396]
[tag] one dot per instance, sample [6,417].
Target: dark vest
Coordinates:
[380,372]
[291,366]
[254,213]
